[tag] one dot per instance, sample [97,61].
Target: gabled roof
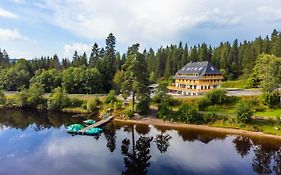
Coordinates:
[200,68]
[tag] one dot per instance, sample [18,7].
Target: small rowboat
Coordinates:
[93,131]
[74,128]
[89,122]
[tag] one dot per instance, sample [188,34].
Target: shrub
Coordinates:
[58,99]
[35,95]
[244,111]
[270,99]
[203,103]
[162,96]
[142,106]
[118,105]
[128,112]
[30,98]
[74,102]
[2,98]
[92,104]
[111,97]
[210,117]
[21,98]
[164,111]
[217,96]
[188,114]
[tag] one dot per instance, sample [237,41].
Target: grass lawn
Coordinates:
[270,113]
[241,84]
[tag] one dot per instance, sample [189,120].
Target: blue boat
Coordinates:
[93,131]
[89,122]
[74,128]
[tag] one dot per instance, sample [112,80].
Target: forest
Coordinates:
[105,68]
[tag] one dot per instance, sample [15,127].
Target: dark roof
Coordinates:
[200,68]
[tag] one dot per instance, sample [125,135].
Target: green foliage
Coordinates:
[188,114]
[16,77]
[80,80]
[217,96]
[118,105]
[75,102]
[111,97]
[30,98]
[210,117]
[203,103]
[243,83]
[267,72]
[2,98]
[214,97]
[21,98]
[270,98]
[136,74]
[128,113]
[244,111]
[164,111]
[50,79]
[143,105]
[92,104]
[58,99]
[118,80]
[35,95]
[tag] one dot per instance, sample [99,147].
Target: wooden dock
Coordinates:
[97,124]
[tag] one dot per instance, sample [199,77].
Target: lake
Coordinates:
[37,143]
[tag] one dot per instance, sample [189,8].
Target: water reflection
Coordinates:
[20,119]
[29,138]
[136,159]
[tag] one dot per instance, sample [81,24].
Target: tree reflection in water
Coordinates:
[162,142]
[109,131]
[242,145]
[262,160]
[136,159]
[264,154]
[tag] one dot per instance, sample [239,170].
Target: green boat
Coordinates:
[93,131]
[89,122]
[74,128]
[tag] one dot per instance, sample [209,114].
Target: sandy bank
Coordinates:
[168,124]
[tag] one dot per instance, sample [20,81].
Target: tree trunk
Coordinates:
[133,101]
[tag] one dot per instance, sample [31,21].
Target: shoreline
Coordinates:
[159,122]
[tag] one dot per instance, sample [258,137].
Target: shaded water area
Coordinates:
[37,143]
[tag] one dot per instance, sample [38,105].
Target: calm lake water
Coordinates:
[37,143]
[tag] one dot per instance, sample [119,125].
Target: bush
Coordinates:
[270,99]
[244,111]
[58,99]
[142,106]
[128,113]
[30,98]
[217,96]
[74,102]
[164,111]
[188,114]
[118,105]
[2,98]
[21,98]
[92,104]
[111,97]
[203,103]
[35,95]
[210,117]
[162,96]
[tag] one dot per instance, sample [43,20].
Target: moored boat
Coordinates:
[89,122]
[93,131]
[74,128]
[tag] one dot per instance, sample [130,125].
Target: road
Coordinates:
[232,92]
